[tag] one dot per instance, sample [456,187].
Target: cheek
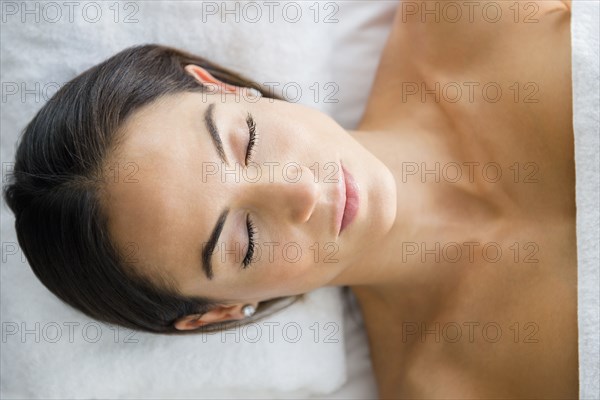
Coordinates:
[281,142]
[295,270]
[288,125]
[280,269]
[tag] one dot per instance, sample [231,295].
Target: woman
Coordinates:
[157,192]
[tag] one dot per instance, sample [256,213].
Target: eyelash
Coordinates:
[253,137]
[248,259]
[251,235]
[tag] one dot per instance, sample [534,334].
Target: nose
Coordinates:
[290,193]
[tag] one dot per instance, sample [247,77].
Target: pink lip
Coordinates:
[349,202]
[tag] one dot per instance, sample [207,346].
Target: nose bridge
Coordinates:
[287,191]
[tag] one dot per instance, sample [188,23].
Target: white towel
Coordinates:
[585,53]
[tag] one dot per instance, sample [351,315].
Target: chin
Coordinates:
[383,201]
[378,196]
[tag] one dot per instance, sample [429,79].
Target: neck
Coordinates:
[431,216]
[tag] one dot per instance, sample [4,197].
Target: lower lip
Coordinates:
[352,200]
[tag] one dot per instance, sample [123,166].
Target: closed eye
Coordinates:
[253,136]
[251,242]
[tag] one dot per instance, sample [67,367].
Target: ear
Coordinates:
[218,314]
[204,77]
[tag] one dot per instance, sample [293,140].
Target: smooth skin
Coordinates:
[181,188]
[412,300]
[538,357]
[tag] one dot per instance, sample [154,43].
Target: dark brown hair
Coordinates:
[55,189]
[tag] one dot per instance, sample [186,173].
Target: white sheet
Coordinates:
[585,53]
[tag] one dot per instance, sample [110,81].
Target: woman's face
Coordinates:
[178,193]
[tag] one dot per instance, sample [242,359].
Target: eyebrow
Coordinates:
[209,121]
[209,248]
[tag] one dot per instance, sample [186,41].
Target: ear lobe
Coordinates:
[204,77]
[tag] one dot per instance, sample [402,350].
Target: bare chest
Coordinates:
[507,329]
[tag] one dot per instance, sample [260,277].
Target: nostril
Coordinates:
[294,199]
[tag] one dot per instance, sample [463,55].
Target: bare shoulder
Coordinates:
[463,30]
[452,11]
[465,41]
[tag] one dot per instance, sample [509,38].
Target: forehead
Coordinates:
[156,124]
[158,208]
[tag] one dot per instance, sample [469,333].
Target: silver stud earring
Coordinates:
[248,310]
